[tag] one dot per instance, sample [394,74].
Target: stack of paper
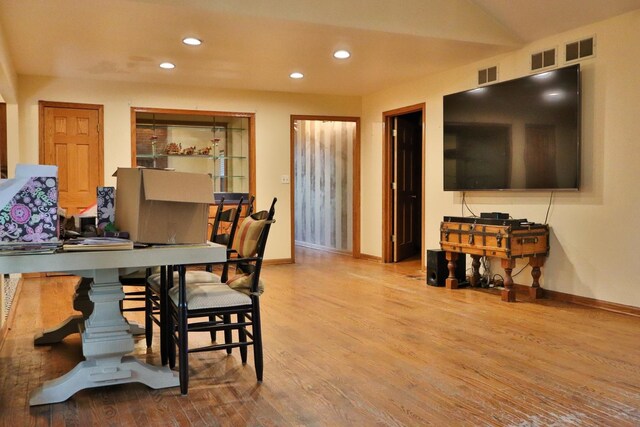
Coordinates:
[26,248]
[97,244]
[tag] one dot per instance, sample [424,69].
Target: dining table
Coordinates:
[106,334]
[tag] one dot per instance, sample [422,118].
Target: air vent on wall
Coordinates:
[579,49]
[544,59]
[487,75]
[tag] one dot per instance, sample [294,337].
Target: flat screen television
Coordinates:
[521,134]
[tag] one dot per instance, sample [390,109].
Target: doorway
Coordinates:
[71,138]
[403,184]
[325,183]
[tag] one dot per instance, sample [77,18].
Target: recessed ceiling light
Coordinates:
[296,75]
[192,41]
[341,54]
[167,65]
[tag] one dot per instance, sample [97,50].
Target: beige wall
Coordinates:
[272,111]
[594,231]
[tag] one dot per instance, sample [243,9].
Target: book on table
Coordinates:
[97,244]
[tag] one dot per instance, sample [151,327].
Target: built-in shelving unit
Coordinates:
[220,144]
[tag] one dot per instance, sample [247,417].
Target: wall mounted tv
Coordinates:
[521,134]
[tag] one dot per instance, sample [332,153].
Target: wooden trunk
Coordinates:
[501,241]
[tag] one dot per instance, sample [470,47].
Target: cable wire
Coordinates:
[464,204]
[546,217]
[520,271]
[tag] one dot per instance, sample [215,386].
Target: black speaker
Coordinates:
[437,270]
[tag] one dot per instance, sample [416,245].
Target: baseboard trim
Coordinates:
[586,301]
[592,302]
[277,261]
[370,257]
[322,248]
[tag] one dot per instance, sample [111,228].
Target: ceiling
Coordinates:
[256,44]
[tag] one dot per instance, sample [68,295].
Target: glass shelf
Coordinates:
[210,127]
[200,156]
[221,144]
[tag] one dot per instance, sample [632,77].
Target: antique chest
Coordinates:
[505,239]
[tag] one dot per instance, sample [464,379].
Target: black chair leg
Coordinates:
[169,334]
[212,319]
[183,342]
[165,329]
[148,316]
[242,337]
[183,351]
[257,339]
[228,338]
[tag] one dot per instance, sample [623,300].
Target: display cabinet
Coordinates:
[220,144]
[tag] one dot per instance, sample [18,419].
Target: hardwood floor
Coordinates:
[357,343]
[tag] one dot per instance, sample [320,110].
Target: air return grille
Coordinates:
[579,49]
[487,75]
[544,59]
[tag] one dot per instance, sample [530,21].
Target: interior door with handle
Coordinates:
[407,143]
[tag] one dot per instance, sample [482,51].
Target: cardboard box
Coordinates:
[163,207]
[29,205]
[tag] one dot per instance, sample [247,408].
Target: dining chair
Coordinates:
[233,306]
[223,232]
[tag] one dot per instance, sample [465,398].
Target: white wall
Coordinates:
[595,232]
[272,112]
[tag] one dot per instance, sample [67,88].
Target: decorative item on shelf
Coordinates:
[173,148]
[215,141]
[205,151]
[189,151]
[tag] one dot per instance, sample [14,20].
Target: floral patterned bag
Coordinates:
[32,213]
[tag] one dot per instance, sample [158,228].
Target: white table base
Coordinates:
[94,373]
[106,337]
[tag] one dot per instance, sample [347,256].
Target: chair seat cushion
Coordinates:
[242,283]
[191,276]
[207,295]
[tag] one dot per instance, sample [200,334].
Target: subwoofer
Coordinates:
[437,270]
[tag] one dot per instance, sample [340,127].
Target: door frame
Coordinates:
[387,179]
[356,179]
[41,130]
[4,161]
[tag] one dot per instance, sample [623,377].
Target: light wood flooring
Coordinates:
[356,343]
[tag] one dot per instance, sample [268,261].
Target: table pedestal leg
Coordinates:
[91,373]
[508,294]
[105,340]
[475,270]
[83,304]
[451,282]
[535,291]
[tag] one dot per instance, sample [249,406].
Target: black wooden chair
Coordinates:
[228,307]
[223,232]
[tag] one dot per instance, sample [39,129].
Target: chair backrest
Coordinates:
[250,244]
[252,199]
[225,223]
[216,220]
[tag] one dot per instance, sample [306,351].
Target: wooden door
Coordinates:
[407,139]
[71,138]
